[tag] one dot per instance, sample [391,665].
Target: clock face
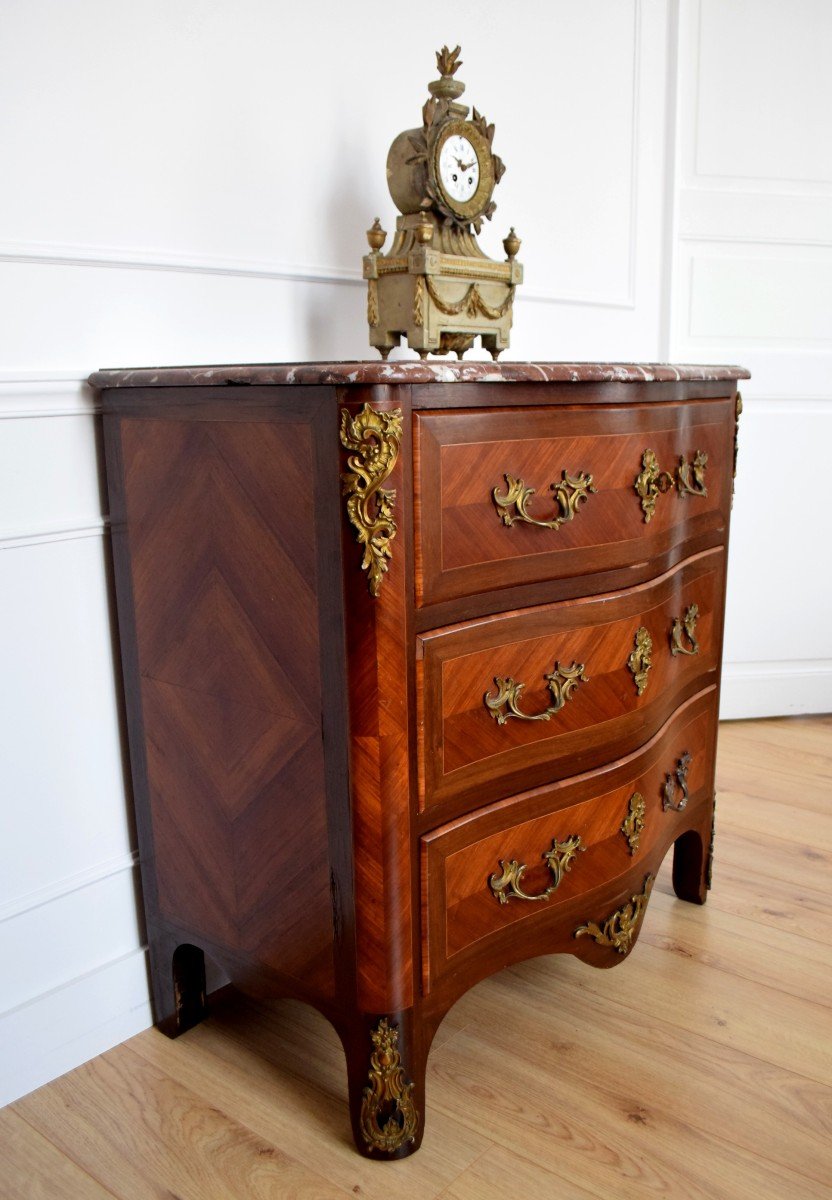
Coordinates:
[459,168]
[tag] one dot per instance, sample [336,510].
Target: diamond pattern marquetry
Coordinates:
[227,627]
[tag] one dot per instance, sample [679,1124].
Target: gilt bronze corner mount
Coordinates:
[388,1117]
[374,437]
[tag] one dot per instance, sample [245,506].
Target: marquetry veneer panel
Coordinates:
[464,923]
[467,754]
[225,594]
[463,545]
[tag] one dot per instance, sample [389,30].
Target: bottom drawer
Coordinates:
[499,884]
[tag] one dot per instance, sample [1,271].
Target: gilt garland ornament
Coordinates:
[388,1116]
[436,287]
[374,437]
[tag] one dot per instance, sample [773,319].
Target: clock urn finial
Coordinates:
[436,287]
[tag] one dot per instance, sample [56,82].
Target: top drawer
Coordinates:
[600,501]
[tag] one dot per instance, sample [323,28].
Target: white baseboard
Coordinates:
[775,689]
[57,1031]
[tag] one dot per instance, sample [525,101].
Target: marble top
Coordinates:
[413,371]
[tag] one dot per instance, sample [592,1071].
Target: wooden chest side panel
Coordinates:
[224,560]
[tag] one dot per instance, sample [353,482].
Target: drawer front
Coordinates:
[487,880]
[600,502]
[517,700]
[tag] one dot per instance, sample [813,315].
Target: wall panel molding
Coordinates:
[57,940]
[120,258]
[763,218]
[65,887]
[84,250]
[27,394]
[742,42]
[72,1023]
[39,537]
[780,296]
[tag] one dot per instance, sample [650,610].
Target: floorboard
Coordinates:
[699,1070]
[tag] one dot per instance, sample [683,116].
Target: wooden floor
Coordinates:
[701,1067]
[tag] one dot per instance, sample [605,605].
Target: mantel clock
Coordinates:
[436,286]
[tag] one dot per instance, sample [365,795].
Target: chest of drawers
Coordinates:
[421,666]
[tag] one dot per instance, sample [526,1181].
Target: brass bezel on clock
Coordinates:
[466,210]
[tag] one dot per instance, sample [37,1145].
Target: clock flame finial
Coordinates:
[448,63]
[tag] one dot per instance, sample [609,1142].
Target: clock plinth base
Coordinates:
[440,301]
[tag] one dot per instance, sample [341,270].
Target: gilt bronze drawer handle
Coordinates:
[571,490]
[680,777]
[691,476]
[652,482]
[374,437]
[633,824]
[619,929]
[559,860]
[562,682]
[685,627]
[640,661]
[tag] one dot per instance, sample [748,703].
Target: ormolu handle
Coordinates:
[562,682]
[651,481]
[669,801]
[571,490]
[685,627]
[558,860]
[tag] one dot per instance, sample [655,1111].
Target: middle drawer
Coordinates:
[529,697]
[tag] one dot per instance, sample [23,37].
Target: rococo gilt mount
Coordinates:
[436,286]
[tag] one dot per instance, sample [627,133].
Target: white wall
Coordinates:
[191,182]
[751,260]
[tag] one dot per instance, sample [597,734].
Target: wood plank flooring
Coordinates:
[700,1068]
